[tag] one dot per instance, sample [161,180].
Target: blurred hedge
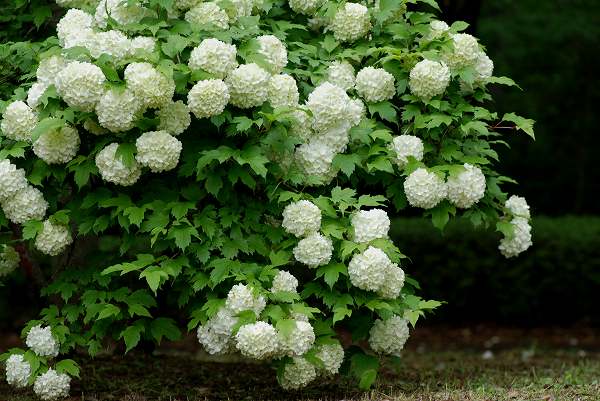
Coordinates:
[556,281]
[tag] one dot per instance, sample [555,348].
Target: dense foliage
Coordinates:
[258,218]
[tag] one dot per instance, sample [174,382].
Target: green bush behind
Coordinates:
[556,281]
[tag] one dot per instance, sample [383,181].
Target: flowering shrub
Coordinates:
[228,167]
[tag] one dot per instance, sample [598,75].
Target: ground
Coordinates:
[440,363]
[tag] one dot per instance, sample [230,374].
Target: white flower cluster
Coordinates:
[428,79]
[375,84]
[405,146]
[215,57]
[18,371]
[118,109]
[124,12]
[258,340]
[297,374]
[274,53]
[152,88]
[248,86]
[208,98]
[437,29]
[389,336]
[215,335]
[307,7]
[341,73]
[424,189]
[113,43]
[240,298]
[314,250]
[58,146]
[329,106]
[299,341]
[484,68]
[52,385]
[465,51]
[174,117]
[301,218]
[18,121]
[466,188]
[158,150]
[351,22]
[520,240]
[284,281]
[75,29]
[12,179]
[53,239]
[208,15]
[80,85]
[370,224]
[372,270]
[316,158]
[42,342]
[26,204]
[283,91]
[332,356]
[35,93]
[114,170]
[9,260]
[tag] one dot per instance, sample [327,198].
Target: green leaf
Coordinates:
[440,215]
[139,310]
[286,327]
[524,124]
[31,229]
[214,183]
[174,45]
[385,110]
[68,366]
[331,273]
[126,153]
[108,311]
[132,336]
[329,43]
[502,81]
[346,162]
[164,327]
[44,126]
[364,367]
[154,276]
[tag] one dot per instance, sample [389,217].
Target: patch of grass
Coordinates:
[458,375]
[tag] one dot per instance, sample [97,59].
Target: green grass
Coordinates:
[512,374]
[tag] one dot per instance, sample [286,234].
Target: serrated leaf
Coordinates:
[164,327]
[132,335]
[67,366]
[524,124]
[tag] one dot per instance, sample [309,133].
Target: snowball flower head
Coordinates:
[12,179]
[393,283]
[174,117]
[375,84]
[389,336]
[215,335]
[329,106]
[518,206]
[53,239]
[484,68]
[437,29]
[158,150]
[428,79]
[141,46]
[370,224]
[466,188]
[284,281]
[336,139]
[357,111]
[307,7]
[74,29]
[18,371]
[466,51]
[9,260]
[314,250]
[52,385]
[274,52]
[301,124]
[315,158]
[182,5]
[257,340]
[351,22]
[153,88]
[208,98]
[42,342]
[341,73]
[297,374]
[26,204]
[248,86]
[241,298]
[520,241]
[215,57]
[299,341]
[332,356]
[35,93]
[18,121]
[208,15]
[113,169]
[405,146]
[301,218]
[57,146]
[124,12]
[424,189]
[367,270]
[80,85]
[118,109]
[283,91]
[49,67]
[113,43]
